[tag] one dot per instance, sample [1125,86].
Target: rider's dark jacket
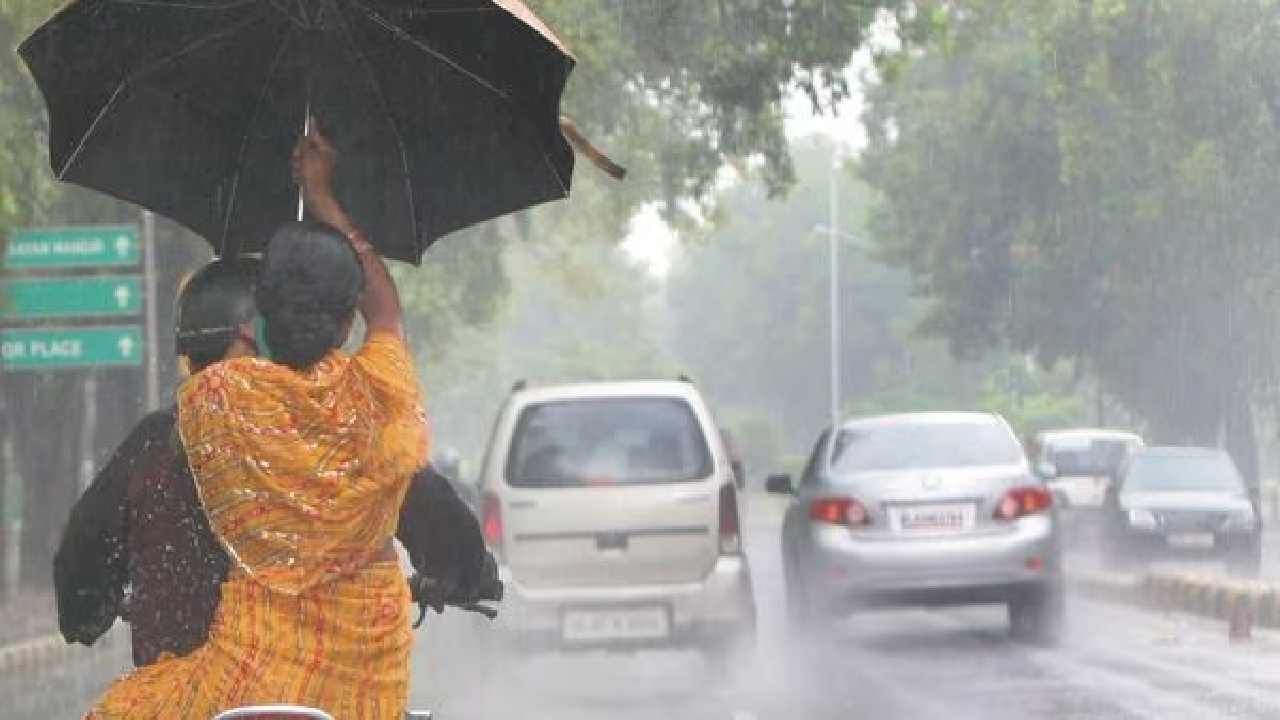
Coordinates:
[139,532]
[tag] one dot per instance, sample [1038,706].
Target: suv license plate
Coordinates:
[1192,540]
[643,623]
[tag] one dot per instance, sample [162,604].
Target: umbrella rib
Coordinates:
[400,33]
[506,97]
[186,4]
[194,45]
[84,139]
[395,127]
[244,141]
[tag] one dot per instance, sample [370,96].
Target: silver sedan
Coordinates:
[921,509]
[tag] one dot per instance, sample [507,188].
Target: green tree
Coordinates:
[582,315]
[749,303]
[1095,181]
[675,90]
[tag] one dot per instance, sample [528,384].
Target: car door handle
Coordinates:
[522,504]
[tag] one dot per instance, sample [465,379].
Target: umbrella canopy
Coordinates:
[445,112]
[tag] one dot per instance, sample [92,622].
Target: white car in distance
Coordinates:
[613,512]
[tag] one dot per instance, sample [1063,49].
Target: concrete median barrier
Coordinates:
[1203,594]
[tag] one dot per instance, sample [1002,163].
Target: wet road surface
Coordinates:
[1114,663]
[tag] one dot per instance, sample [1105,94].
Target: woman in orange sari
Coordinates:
[302,462]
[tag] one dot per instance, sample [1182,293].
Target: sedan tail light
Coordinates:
[491,522]
[839,511]
[1023,501]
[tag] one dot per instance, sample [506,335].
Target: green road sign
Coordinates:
[113,245]
[71,297]
[55,348]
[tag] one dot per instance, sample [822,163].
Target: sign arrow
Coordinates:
[126,346]
[122,295]
[122,245]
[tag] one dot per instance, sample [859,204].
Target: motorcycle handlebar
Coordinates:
[429,592]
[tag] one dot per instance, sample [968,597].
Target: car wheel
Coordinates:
[800,609]
[492,650]
[1245,561]
[1122,558]
[726,660]
[1037,614]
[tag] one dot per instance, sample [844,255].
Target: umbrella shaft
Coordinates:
[306,130]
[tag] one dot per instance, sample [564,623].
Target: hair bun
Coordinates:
[307,290]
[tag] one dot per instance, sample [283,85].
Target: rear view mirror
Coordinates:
[1046,470]
[779,484]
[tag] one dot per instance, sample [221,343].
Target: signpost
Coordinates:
[52,305]
[76,247]
[95,296]
[63,348]
[71,299]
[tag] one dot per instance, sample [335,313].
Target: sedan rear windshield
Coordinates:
[911,446]
[613,441]
[1174,473]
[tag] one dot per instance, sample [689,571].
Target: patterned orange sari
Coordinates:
[302,476]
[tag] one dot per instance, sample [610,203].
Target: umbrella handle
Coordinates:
[306,130]
[584,146]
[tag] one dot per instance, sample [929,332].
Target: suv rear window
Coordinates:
[610,441]
[1087,457]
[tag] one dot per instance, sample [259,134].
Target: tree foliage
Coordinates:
[1096,180]
[674,89]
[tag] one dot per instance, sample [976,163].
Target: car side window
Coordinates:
[813,467]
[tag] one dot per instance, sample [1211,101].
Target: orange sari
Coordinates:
[302,476]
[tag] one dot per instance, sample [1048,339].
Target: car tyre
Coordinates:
[727,660]
[493,648]
[1037,614]
[801,613]
[1122,558]
[1245,561]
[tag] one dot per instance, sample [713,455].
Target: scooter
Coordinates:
[429,594]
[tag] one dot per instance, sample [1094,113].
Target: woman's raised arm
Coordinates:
[313,162]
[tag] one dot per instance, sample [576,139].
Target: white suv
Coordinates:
[612,510]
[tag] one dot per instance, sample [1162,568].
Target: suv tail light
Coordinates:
[730,528]
[491,522]
[1023,501]
[839,511]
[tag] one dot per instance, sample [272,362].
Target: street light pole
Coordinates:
[833,232]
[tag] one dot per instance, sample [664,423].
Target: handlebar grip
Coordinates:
[492,590]
[485,610]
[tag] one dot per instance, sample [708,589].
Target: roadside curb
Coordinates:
[1197,594]
[49,650]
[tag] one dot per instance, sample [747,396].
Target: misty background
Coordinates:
[1062,215]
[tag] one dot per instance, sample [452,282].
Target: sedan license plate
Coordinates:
[936,518]
[643,623]
[1190,540]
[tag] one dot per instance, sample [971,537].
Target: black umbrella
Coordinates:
[445,112]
